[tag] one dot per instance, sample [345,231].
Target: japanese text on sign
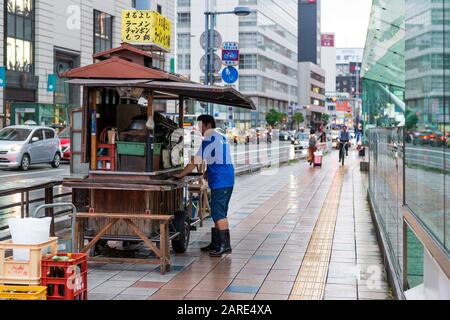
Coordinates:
[143,26]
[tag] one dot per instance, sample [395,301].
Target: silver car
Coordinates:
[22,146]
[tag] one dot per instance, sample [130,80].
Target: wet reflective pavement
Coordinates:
[297,233]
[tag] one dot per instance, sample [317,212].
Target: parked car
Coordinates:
[438,139]
[285,136]
[303,140]
[64,138]
[423,138]
[22,146]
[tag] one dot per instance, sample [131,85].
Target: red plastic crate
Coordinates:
[65,280]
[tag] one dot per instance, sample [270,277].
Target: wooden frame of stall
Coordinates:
[124,206]
[111,195]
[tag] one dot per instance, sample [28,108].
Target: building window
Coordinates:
[248,61]
[66,94]
[103,31]
[184,41]
[316,89]
[248,40]
[317,102]
[20,38]
[184,3]
[184,19]
[317,77]
[184,62]
[248,83]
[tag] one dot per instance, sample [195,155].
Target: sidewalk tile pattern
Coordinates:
[297,233]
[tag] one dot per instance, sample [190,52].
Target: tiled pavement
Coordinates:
[297,233]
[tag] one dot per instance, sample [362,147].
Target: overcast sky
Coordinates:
[348,19]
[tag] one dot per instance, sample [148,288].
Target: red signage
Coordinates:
[342,106]
[327,40]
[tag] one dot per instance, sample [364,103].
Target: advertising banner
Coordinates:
[146,27]
[327,40]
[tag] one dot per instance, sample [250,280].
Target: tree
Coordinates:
[411,121]
[298,118]
[325,119]
[273,117]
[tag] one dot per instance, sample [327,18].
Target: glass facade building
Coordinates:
[406,109]
[428,107]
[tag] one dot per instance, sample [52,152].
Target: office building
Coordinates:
[348,70]
[328,61]
[268,54]
[309,31]
[45,38]
[311,77]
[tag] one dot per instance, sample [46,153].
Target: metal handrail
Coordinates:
[61,204]
[17,204]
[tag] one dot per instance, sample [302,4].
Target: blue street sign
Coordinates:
[2,77]
[230,75]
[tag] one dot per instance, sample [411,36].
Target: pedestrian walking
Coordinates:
[312,147]
[216,152]
[323,137]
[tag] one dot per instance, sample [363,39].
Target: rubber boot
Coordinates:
[225,246]
[215,239]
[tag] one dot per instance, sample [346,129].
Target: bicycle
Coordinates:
[342,153]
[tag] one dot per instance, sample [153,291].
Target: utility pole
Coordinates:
[210,24]
[211,57]
[207,43]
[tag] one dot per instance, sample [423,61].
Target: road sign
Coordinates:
[230,75]
[230,57]
[217,63]
[217,40]
[230,54]
[230,114]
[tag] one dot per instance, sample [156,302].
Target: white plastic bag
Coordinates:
[28,231]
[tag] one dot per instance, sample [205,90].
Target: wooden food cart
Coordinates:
[124,152]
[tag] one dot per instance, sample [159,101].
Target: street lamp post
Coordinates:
[210,23]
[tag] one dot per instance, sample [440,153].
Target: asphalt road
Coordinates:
[428,156]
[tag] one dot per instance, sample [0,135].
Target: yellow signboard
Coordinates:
[146,27]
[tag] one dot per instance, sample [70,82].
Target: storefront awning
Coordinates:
[175,90]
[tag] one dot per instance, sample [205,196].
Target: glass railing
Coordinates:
[386,152]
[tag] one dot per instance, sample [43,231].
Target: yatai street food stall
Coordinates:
[124,154]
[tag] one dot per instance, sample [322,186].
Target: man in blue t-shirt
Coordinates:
[215,151]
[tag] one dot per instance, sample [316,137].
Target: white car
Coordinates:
[22,146]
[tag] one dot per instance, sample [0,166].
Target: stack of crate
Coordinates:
[65,280]
[21,280]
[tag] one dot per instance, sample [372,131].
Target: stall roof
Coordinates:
[123,47]
[118,68]
[173,90]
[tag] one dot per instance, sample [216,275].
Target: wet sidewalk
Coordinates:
[298,233]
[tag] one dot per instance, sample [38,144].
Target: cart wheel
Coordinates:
[182,224]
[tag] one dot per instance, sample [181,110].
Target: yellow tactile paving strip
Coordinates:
[312,276]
